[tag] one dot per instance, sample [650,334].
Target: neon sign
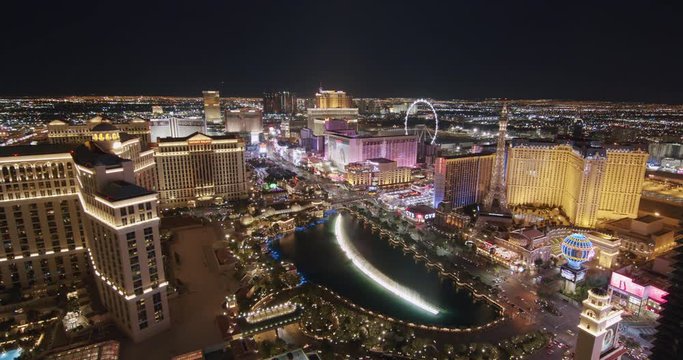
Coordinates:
[626,284]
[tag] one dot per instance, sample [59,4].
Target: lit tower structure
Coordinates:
[496,199]
[212,112]
[577,249]
[122,225]
[598,329]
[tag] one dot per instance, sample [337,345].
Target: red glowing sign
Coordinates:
[626,284]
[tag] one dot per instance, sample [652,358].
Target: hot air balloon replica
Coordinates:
[576,249]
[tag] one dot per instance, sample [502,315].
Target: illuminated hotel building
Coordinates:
[200,170]
[212,112]
[331,99]
[61,132]
[344,147]
[462,180]
[58,199]
[330,104]
[41,222]
[244,121]
[128,147]
[123,239]
[588,183]
[281,102]
[377,172]
[176,127]
[623,182]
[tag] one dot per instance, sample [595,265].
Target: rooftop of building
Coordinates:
[97,121]
[105,126]
[648,219]
[599,291]
[532,233]
[124,136]
[470,155]
[322,91]
[244,111]
[381,160]
[602,236]
[199,134]
[525,237]
[122,190]
[90,155]
[585,148]
[666,175]
[643,275]
[421,209]
[353,134]
[102,350]
[40,149]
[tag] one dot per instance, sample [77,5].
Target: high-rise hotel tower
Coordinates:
[588,183]
[462,180]
[212,113]
[200,169]
[123,239]
[329,105]
[58,200]
[41,222]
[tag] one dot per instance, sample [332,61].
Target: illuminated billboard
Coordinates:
[626,284]
[629,286]
[567,274]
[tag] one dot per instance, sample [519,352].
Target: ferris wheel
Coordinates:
[436,117]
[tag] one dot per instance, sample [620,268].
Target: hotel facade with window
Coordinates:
[41,222]
[589,184]
[378,172]
[200,169]
[62,132]
[462,180]
[62,205]
[347,146]
[122,229]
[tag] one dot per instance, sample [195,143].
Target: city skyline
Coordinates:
[620,51]
[270,180]
[170,211]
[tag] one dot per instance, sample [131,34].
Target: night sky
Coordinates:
[601,49]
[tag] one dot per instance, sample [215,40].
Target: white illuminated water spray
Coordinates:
[377,276]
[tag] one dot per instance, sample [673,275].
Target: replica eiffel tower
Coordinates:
[496,198]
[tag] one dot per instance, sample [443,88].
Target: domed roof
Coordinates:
[105,126]
[599,291]
[577,249]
